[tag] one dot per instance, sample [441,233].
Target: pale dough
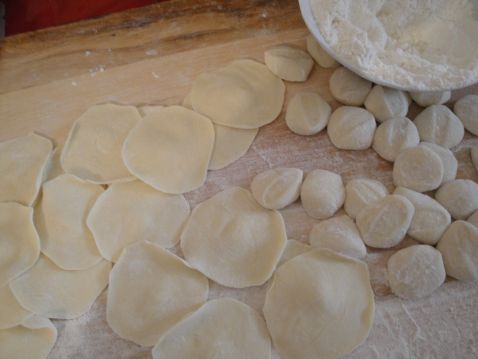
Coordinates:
[319,54]
[52,292]
[11,312]
[60,219]
[93,149]
[384,223]
[243,94]
[307,113]
[170,149]
[53,168]
[277,188]
[416,271]
[132,211]
[474,157]
[351,128]
[450,164]
[22,167]
[19,242]
[293,248]
[473,219]
[361,192]
[233,240]
[466,109]
[289,63]
[459,197]
[221,328]
[348,87]
[147,109]
[386,103]
[322,194]
[150,290]
[319,305]
[428,98]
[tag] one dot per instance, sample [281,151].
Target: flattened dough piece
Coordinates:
[52,292]
[361,192]
[11,312]
[450,164]
[310,294]
[466,109]
[151,290]
[61,222]
[386,103]
[150,215]
[22,167]
[319,54]
[221,328]
[348,87]
[459,197]
[19,242]
[53,168]
[428,98]
[293,248]
[288,62]
[243,94]
[93,149]
[234,241]
[307,113]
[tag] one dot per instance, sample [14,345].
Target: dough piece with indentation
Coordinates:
[92,151]
[474,157]
[23,163]
[450,164]
[11,312]
[348,87]
[386,103]
[466,109]
[307,113]
[428,98]
[361,192]
[293,248]
[288,62]
[150,290]
[221,328]
[459,197]
[319,54]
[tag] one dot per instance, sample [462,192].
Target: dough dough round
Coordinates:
[450,164]
[244,94]
[52,292]
[459,197]
[13,313]
[351,128]
[474,157]
[418,168]
[221,328]
[466,109]
[277,188]
[459,248]
[61,222]
[309,294]
[289,63]
[384,223]
[348,87]
[386,103]
[394,135]
[307,113]
[361,192]
[437,124]
[92,151]
[416,271]
[339,234]
[293,249]
[428,98]
[151,290]
[22,168]
[19,242]
[181,141]
[322,194]
[238,247]
[151,216]
[319,54]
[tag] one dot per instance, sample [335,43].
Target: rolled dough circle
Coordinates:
[307,113]
[459,197]
[13,313]
[348,87]
[288,62]
[386,103]
[293,248]
[361,192]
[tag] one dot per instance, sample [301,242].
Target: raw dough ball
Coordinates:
[428,98]
[450,164]
[293,249]
[384,223]
[170,149]
[221,328]
[22,167]
[52,292]
[437,124]
[473,219]
[351,128]
[151,290]
[415,272]
[430,219]
[93,149]
[459,248]
[394,135]
[386,103]
[151,216]
[307,113]
[361,192]
[339,234]
[459,197]
[12,313]
[19,242]
[61,222]
[466,109]
[289,63]
[306,301]
[244,94]
[474,157]
[322,194]
[277,188]
[238,247]
[319,54]
[418,168]
[348,87]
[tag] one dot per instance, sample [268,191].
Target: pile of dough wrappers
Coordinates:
[103,209]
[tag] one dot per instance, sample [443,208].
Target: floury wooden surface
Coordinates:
[150,56]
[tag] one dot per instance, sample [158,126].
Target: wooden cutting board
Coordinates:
[150,56]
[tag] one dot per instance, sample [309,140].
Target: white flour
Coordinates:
[414,44]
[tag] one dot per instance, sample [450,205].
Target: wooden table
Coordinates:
[150,56]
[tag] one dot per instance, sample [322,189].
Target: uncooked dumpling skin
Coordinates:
[53,168]
[221,328]
[361,192]
[288,62]
[459,197]
[319,305]
[307,113]
[293,248]
[233,240]
[348,87]
[319,54]
[466,109]
[11,312]
[429,98]
[450,164]
[386,103]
